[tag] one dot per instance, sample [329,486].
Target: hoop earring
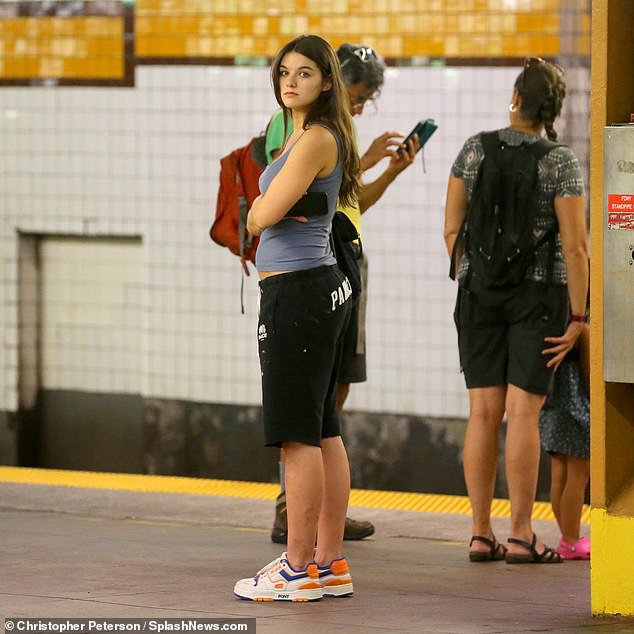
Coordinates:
[512,107]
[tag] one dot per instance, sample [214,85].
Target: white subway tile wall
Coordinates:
[143,162]
[91,299]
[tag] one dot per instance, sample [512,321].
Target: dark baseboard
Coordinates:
[126,433]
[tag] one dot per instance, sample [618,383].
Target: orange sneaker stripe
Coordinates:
[339,567]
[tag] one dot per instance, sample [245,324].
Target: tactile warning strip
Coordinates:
[417,502]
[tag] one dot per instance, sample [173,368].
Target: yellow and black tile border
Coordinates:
[392,500]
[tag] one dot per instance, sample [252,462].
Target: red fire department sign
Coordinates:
[621,211]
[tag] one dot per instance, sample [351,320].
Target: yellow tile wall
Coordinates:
[444,28]
[92,47]
[62,48]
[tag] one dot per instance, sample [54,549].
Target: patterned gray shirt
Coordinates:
[559,175]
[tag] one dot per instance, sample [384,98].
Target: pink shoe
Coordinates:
[580,550]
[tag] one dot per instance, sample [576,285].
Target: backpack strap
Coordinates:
[243,210]
[490,143]
[454,252]
[552,250]
[539,149]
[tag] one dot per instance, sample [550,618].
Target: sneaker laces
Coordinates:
[276,563]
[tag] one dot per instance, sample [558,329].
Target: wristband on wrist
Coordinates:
[580,318]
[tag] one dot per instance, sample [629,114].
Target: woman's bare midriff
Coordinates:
[266,274]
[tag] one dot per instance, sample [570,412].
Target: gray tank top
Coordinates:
[290,245]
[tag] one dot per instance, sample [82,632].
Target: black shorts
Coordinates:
[352,368]
[501,334]
[302,317]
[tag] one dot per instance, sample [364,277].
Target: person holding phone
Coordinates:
[363,74]
[422,131]
[304,306]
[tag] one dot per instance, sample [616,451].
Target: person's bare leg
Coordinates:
[486,409]
[335,500]
[578,475]
[354,529]
[282,468]
[522,462]
[343,389]
[558,464]
[304,493]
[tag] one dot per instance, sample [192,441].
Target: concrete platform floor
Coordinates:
[68,552]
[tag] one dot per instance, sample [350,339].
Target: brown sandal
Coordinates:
[496,552]
[549,556]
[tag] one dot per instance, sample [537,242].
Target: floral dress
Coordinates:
[564,422]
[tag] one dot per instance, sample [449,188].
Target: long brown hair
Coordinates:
[330,108]
[542,87]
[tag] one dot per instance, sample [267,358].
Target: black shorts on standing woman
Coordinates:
[501,333]
[302,317]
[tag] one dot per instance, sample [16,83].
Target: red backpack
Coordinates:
[238,188]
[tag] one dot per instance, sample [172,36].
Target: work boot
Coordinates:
[279,534]
[354,529]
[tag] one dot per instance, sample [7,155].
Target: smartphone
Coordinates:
[423,129]
[310,204]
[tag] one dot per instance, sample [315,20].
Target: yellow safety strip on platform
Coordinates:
[417,502]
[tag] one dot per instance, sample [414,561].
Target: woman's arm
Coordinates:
[455,210]
[571,215]
[315,151]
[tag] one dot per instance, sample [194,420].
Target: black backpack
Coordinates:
[498,229]
[344,233]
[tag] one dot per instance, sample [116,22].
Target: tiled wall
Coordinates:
[62,40]
[56,47]
[137,159]
[91,316]
[143,162]
[396,27]
[95,40]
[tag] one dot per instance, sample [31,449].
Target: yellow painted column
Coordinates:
[612,404]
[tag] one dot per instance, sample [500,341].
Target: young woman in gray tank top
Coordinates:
[304,305]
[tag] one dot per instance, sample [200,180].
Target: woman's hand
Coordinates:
[385,145]
[404,158]
[564,344]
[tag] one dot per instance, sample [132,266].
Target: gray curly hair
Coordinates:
[361,64]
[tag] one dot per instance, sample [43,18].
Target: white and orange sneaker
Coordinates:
[279,581]
[335,579]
